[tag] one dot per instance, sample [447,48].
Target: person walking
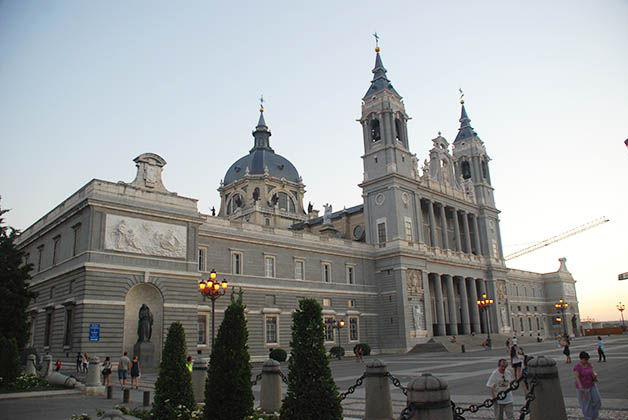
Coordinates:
[79,362]
[124,364]
[588,394]
[515,360]
[600,350]
[106,371]
[566,350]
[500,381]
[189,364]
[85,362]
[135,371]
[58,365]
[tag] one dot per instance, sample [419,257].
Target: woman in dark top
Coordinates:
[135,371]
[566,351]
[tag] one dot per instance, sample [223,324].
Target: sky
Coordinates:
[87,86]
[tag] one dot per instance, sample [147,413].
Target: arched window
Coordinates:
[286,203]
[466,170]
[398,129]
[375,132]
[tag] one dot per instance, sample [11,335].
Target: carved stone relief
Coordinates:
[139,236]
[501,290]
[414,281]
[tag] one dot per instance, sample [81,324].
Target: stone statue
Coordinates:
[327,214]
[145,324]
[417,316]
[310,207]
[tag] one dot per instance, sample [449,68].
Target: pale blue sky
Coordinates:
[86,86]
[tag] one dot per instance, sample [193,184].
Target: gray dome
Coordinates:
[256,161]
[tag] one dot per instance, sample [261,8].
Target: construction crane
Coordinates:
[557,238]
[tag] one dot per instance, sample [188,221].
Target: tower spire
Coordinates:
[380,81]
[262,133]
[465,131]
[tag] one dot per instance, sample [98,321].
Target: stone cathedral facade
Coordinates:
[405,265]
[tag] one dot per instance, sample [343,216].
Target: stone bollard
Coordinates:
[549,403]
[46,367]
[126,395]
[93,372]
[31,368]
[378,401]
[146,401]
[199,376]
[270,392]
[430,398]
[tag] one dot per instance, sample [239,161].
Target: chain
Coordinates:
[530,396]
[397,383]
[257,378]
[283,377]
[352,388]
[488,403]
[408,412]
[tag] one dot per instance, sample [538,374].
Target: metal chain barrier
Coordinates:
[283,377]
[352,388]
[397,383]
[257,378]
[488,403]
[408,412]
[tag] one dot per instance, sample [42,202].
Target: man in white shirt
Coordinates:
[500,381]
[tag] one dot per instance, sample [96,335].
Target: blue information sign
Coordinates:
[94,332]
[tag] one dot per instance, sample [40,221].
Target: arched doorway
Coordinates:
[138,295]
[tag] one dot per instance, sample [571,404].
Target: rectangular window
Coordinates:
[40,251]
[538,324]
[350,274]
[408,225]
[67,334]
[202,252]
[75,243]
[326,272]
[353,329]
[299,265]
[530,323]
[269,263]
[236,262]
[55,249]
[52,292]
[326,302]
[201,338]
[381,233]
[329,330]
[48,329]
[521,323]
[351,303]
[71,286]
[271,330]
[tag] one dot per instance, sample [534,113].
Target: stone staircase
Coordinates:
[470,342]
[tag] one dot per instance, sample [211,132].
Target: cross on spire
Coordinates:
[376,42]
[261,103]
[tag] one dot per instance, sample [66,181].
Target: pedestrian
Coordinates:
[508,344]
[515,361]
[514,340]
[588,394]
[189,364]
[500,381]
[600,350]
[85,362]
[106,371]
[135,371]
[79,362]
[58,365]
[124,364]
[566,350]
[524,372]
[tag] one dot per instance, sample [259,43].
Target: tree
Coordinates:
[14,295]
[228,392]
[312,393]
[174,383]
[10,367]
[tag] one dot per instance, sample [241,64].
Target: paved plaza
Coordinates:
[466,374]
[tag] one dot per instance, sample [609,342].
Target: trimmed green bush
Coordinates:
[278,354]
[366,349]
[228,391]
[312,393]
[174,383]
[10,367]
[337,351]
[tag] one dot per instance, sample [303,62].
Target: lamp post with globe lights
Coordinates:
[337,325]
[561,306]
[484,305]
[213,289]
[620,308]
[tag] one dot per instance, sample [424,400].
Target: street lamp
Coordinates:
[484,305]
[561,306]
[213,289]
[336,325]
[620,308]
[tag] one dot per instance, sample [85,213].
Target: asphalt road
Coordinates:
[466,374]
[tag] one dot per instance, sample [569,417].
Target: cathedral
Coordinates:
[408,263]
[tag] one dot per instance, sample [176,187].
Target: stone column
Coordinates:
[430,209]
[476,238]
[199,376]
[467,236]
[440,310]
[475,311]
[93,372]
[270,392]
[419,219]
[430,398]
[443,223]
[378,403]
[457,231]
[451,298]
[549,402]
[427,300]
[466,325]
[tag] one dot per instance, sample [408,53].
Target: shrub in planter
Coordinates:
[366,349]
[337,351]
[278,354]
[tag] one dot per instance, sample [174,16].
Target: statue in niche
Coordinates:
[417,317]
[504,317]
[237,200]
[145,324]
[256,194]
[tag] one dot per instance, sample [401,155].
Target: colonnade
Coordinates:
[466,229]
[456,313]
